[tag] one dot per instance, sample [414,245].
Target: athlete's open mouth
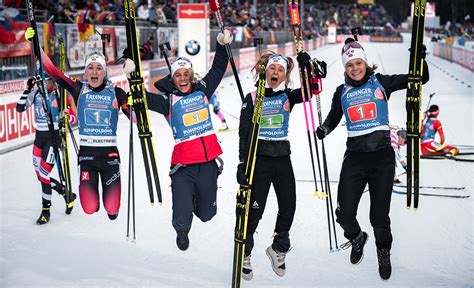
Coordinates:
[274,80]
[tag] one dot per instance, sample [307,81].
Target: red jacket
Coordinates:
[205,148]
[199,150]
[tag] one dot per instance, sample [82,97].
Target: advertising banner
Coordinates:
[193,35]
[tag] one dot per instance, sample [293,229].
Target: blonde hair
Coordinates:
[264,60]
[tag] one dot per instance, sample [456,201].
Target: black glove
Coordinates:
[304,59]
[423,51]
[30,83]
[241,174]
[322,131]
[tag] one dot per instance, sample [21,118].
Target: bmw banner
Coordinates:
[193,35]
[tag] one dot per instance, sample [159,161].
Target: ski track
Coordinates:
[432,246]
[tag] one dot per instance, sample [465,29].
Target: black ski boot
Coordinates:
[44,216]
[182,240]
[112,216]
[385,268]
[357,244]
[70,205]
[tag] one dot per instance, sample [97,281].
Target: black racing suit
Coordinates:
[369,159]
[272,166]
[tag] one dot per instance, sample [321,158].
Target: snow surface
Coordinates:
[432,246]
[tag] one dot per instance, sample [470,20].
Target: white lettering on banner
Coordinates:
[24,124]
[12,122]
[3,125]
[190,12]
[13,86]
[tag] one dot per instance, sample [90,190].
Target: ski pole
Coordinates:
[215,6]
[164,48]
[73,138]
[305,91]
[41,84]
[319,72]
[131,179]
[103,37]
[295,17]
[429,101]
[258,42]
[356,31]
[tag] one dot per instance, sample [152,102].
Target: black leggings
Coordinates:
[359,169]
[279,171]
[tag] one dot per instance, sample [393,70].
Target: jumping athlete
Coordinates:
[184,102]
[98,102]
[369,158]
[431,126]
[43,152]
[273,164]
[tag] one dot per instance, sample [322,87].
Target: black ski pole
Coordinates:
[215,6]
[164,48]
[41,84]
[356,31]
[319,72]
[103,37]
[131,179]
[73,138]
[258,42]
[429,101]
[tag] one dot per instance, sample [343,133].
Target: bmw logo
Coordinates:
[192,47]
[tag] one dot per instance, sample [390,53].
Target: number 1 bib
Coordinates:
[275,118]
[365,108]
[189,117]
[98,116]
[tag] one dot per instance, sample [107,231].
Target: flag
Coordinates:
[48,39]
[248,33]
[12,40]
[105,17]
[9,28]
[84,28]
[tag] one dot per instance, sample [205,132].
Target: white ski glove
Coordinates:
[128,67]
[224,38]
